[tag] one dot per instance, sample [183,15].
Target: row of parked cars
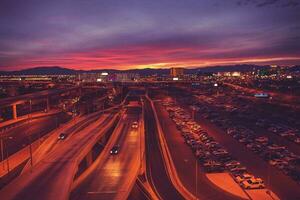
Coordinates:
[276,155]
[245,109]
[211,155]
[289,133]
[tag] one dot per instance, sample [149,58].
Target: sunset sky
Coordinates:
[122,34]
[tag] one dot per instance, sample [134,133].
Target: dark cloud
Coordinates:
[103,33]
[264,3]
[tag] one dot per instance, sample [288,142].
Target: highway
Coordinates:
[115,176]
[138,192]
[70,129]
[51,178]
[156,171]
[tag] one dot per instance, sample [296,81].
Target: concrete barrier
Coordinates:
[171,170]
[98,161]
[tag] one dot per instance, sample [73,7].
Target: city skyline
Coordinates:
[140,34]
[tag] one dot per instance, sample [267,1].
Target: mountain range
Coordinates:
[56,70]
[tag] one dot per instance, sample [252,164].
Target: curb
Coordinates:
[171,170]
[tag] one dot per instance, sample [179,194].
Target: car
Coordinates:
[262,140]
[115,150]
[232,164]
[275,147]
[278,162]
[135,124]
[238,169]
[297,140]
[242,177]
[62,136]
[253,183]
[213,166]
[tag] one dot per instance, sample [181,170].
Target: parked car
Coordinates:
[253,183]
[278,162]
[232,164]
[238,170]
[213,166]
[242,177]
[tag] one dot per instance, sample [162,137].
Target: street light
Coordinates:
[28,132]
[196,175]
[2,149]
[2,152]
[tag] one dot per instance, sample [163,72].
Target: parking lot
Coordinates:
[253,125]
[256,152]
[212,156]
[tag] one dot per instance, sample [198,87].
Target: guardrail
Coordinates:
[104,153]
[46,146]
[171,170]
[96,163]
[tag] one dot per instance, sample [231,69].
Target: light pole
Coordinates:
[29,136]
[7,160]
[2,149]
[196,176]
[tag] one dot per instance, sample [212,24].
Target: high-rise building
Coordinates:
[175,72]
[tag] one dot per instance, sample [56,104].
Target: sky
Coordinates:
[123,34]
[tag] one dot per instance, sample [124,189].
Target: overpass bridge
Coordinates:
[28,98]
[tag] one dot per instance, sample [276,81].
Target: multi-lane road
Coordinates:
[51,178]
[57,162]
[23,133]
[114,178]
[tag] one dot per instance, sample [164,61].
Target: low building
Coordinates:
[175,72]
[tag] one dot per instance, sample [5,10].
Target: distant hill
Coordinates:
[52,70]
[295,68]
[231,68]
[56,70]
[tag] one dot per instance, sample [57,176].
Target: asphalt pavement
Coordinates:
[156,171]
[185,162]
[112,179]
[26,132]
[51,178]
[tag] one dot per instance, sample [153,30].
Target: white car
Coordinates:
[253,183]
[245,176]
